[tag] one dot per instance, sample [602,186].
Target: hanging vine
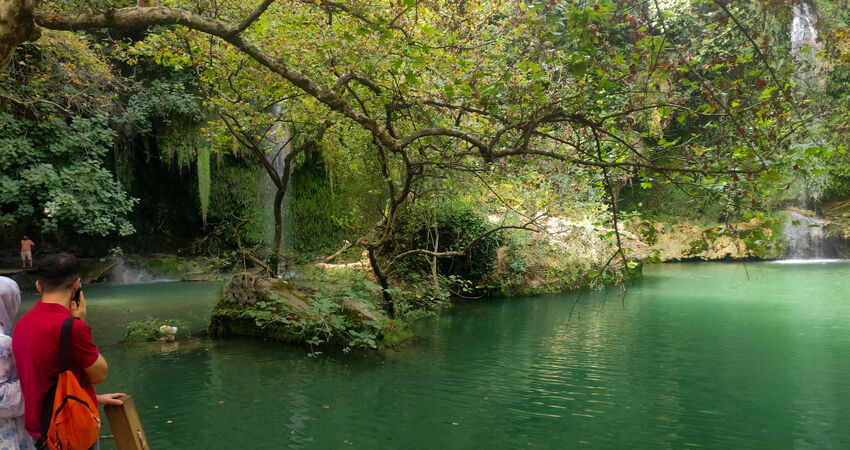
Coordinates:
[204,180]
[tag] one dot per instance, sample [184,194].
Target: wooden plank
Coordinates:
[126,426]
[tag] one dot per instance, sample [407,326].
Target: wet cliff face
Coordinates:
[809,237]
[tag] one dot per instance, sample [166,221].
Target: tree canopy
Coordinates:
[703,97]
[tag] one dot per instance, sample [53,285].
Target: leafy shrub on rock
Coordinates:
[452,226]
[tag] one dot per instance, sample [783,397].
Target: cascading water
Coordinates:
[807,238]
[804,44]
[803,32]
[120,273]
[277,141]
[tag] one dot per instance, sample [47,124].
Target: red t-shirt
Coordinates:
[35,344]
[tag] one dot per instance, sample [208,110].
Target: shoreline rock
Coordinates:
[280,310]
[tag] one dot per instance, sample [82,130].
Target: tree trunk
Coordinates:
[16,27]
[389,306]
[434,274]
[274,261]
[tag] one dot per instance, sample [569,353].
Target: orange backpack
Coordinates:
[69,419]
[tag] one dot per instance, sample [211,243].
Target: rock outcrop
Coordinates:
[754,239]
[286,311]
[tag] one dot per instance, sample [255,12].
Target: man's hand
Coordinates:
[110,399]
[79,311]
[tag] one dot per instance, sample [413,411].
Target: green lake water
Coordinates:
[697,355]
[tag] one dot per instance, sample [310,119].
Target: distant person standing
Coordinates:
[26,251]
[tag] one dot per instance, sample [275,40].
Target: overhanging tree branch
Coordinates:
[462,252]
[129,18]
[258,11]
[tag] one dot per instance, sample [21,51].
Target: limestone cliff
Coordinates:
[754,239]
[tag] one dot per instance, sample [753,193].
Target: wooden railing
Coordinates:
[126,426]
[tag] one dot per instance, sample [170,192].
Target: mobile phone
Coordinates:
[76,297]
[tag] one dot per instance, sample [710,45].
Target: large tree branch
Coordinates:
[129,18]
[342,82]
[621,164]
[444,131]
[34,101]
[16,27]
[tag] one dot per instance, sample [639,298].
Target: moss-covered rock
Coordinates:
[155,329]
[286,311]
[225,323]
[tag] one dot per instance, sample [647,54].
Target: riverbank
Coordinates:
[137,269]
[343,305]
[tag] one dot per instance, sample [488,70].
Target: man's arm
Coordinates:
[97,371]
[111,399]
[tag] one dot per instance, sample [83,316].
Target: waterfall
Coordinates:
[120,273]
[806,238]
[803,32]
[277,142]
[804,43]
[810,80]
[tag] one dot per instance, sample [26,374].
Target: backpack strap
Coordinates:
[65,345]
[64,360]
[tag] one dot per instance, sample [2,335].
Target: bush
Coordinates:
[457,223]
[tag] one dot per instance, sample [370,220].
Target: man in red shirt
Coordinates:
[35,341]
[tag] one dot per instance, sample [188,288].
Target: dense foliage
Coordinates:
[51,175]
[448,226]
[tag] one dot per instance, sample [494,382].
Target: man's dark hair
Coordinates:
[57,272]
